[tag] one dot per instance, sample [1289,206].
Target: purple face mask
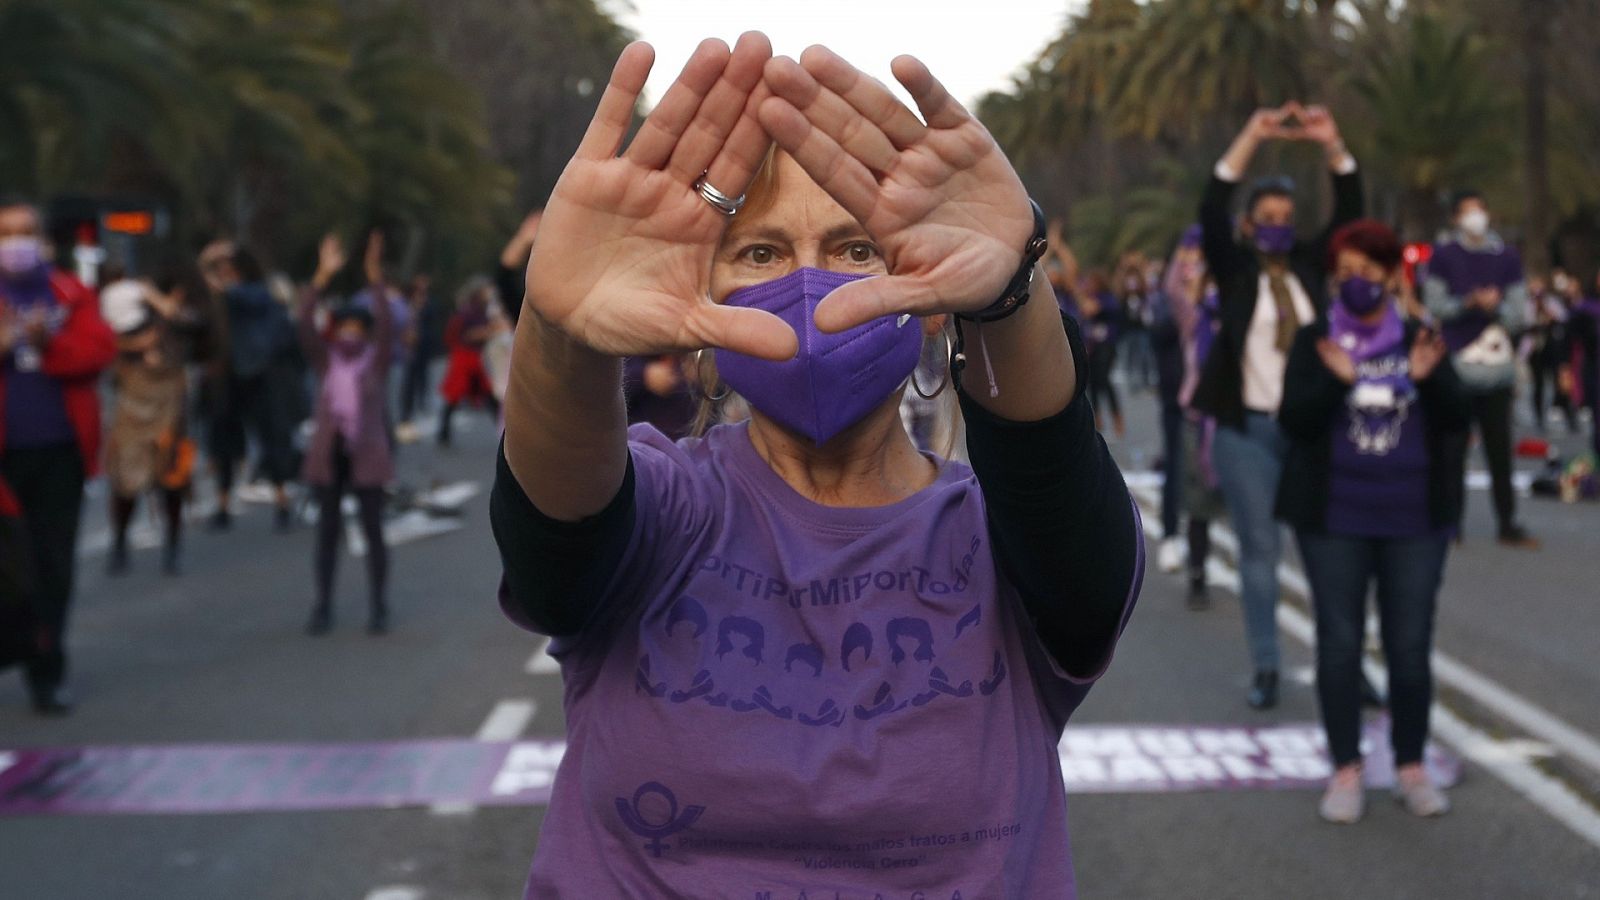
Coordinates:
[1275,240]
[835,379]
[1360,296]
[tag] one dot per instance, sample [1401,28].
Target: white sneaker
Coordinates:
[1421,797]
[1170,555]
[1345,800]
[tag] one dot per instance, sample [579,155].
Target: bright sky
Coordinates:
[972,46]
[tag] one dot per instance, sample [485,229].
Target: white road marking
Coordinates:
[541,662]
[1506,760]
[1520,711]
[396,892]
[506,722]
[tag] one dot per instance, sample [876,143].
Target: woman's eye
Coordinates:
[859,252]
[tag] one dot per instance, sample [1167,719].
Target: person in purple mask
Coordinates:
[1269,283]
[1476,290]
[1372,408]
[53,347]
[802,657]
[349,450]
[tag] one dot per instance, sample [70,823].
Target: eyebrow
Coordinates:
[838,232]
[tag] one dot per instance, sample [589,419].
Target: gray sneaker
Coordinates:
[1343,802]
[1421,798]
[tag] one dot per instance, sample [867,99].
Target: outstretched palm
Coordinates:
[941,199]
[622,261]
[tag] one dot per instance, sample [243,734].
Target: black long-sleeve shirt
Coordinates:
[1060,518]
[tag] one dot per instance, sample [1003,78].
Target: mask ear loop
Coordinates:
[700,371]
[949,356]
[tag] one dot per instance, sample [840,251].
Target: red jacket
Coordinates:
[75,356]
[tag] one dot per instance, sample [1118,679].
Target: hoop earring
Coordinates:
[949,354]
[700,370]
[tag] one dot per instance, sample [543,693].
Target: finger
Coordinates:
[615,112]
[753,332]
[871,298]
[866,94]
[939,109]
[745,149]
[659,134]
[722,109]
[837,172]
[859,136]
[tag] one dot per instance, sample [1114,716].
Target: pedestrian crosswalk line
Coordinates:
[1549,794]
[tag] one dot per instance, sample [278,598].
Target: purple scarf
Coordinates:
[1363,341]
[341,387]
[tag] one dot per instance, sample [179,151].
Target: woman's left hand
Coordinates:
[1426,354]
[941,200]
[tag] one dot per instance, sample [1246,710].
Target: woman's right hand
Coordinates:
[622,260]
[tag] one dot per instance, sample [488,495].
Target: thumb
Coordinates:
[753,332]
[862,301]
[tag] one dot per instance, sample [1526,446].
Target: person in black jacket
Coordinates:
[1373,410]
[1270,284]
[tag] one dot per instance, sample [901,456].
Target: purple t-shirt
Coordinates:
[1378,476]
[35,408]
[777,699]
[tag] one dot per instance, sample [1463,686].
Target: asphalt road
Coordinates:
[218,657]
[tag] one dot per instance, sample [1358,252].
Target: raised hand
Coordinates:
[622,263]
[331,257]
[1317,124]
[372,261]
[938,196]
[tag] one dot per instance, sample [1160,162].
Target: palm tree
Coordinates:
[79,72]
[1195,62]
[1432,115]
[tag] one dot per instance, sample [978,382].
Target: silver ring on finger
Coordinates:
[719,201]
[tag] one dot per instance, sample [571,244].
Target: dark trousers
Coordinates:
[1491,412]
[48,483]
[449,414]
[1171,468]
[262,405]
[1545,377]
[414,385]
[1407,571]
[330,522]
[1102,358]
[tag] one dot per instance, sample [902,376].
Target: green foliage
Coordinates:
[1430,96]
[275,119]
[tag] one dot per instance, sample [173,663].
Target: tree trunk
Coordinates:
[1538,19]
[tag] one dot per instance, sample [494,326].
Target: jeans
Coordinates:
[1407,570]
[1248,464]
[1491,411]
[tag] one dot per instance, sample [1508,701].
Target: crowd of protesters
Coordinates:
[1307,378]
[207,365]
[1303,378]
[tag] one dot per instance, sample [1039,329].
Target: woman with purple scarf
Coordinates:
[1373,410]
[349,449]
[802,657]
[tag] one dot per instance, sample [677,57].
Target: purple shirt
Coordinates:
[1463,270]
[1378,475]
[778,699]
[35,410]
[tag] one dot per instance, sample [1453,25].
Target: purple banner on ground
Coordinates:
[218,778]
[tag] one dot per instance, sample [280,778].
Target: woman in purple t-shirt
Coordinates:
[1374,412]
[801,657]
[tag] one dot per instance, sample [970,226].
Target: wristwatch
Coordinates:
[1020,287]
